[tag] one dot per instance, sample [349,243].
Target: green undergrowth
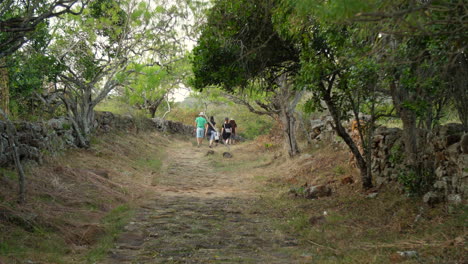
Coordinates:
[20,246]
[8,174]
[349,227]
[113,224]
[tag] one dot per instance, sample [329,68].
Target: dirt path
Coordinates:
[202,213]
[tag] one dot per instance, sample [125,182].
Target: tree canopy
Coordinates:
[380,58]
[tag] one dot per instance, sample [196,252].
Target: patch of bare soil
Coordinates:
[202,212]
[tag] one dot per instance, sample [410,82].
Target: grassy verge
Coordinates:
[113,224]
[351,228]
[46,246]
[18,245]
[79,201]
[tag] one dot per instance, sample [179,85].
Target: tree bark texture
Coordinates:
[341,131]
[153,107]
[80,111]
[289,130]
[408,118]
[4,87]
[287,100]
[303,127]
[459,82]
[11,133]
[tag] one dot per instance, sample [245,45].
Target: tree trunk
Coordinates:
[304,129]
[408,117]
[367,145]
[289,130]
[410,136]
[81,114]
[4,87]
[152,111]
[287,100]
[11,132]
[341,131]
[155,105]
[458,81]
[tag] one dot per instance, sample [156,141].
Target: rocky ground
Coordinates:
[202,212]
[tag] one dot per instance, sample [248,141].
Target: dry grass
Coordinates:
[358,229]
[355,229]
[69,196]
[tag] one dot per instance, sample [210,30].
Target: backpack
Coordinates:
[227,128]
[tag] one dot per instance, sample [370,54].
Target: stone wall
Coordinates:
[445,157]
[38,138]
[164,125]
[35,139]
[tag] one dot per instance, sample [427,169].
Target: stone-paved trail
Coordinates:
[200,214]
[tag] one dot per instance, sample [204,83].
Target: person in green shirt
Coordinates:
[200,124]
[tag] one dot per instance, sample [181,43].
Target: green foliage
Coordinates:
[113,224]
[396,155]
[8,173]
[24,244]
[416,181]
[219,59]
[333,11]
[213,65]
[146,85]
[150,86]
[252,126]
[332,52]
[29,69]
[112,18]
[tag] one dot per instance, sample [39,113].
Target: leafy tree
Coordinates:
[430,34]
[146,91]
[152,85]
[98,48]
[31,70]
[20,19]
[239,48]
[423,47]
[327,72]
[410,44]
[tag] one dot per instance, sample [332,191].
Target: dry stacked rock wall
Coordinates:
[172,127]
[444,156]
[38,138]
[35,139]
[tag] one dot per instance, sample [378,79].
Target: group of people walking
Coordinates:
[205,128]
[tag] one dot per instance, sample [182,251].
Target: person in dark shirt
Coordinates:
[211,132]
[233,131]
[226,131]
